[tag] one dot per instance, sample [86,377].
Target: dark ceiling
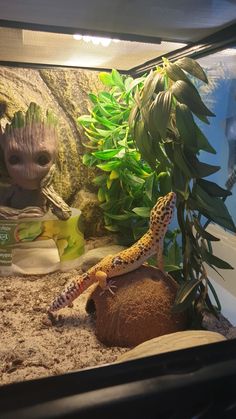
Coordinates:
[179,20]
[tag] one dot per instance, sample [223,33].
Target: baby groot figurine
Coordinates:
[28,147]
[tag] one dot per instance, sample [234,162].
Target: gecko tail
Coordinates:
[65,298]
[74,289]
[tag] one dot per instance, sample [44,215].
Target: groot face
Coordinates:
[29,153]
[29,145]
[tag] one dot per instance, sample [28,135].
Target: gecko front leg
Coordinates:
[102,279]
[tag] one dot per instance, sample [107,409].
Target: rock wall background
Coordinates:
[65,92]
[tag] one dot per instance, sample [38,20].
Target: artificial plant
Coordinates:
[128,186]
[164,125]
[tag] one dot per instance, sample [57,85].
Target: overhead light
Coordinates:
[77,37]
[105,42]
[96,40]
[86,38]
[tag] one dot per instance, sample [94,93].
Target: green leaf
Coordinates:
[86,120]
[214,295]
[103,132]
[91,133]
[153,83]
[181,162]
[213,189]
[171,268]
[221,221]
[207,302]
[100,180]
[127,82]
[186,126]
[117,79]
[214,260]
[173,256]
[93,98]
[202,232]
[144,143]
[135,164]
[104,113]
[187,94]
[119,217]
[212,207]
[132,83]
[101,195]
[160,113]
[210,203]
[88,160]
[186,294]
[92,145]
[203,118]
[133,115]
[192,67]
[218,273]
[200,169]
[142,211]
[106,122]
[159,152]
[180,182]
[132,179]
[107,98]
[203,143]
[165,183]
[106,154]
[106,79]
[175,73]
[149,186]
[169,149]
[137,98]
[148,88]
[203,169]
[112,227]
[108,167]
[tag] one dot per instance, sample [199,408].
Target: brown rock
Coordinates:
[88,203]
[141,308]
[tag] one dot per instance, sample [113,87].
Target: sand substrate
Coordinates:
[31,347]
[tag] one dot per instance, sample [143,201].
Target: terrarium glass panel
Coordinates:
[220,95]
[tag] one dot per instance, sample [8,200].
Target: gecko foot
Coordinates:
[104,283]
[108,287]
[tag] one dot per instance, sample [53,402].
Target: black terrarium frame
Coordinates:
[195,382]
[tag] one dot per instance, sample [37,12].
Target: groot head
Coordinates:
[29,146]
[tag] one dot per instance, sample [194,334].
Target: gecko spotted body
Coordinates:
[127,260]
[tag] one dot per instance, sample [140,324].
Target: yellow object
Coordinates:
[66,235]
[114,175]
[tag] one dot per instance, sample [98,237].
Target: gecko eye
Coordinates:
[43,159]
[14,159]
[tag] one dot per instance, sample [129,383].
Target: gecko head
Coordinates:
[162,212]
